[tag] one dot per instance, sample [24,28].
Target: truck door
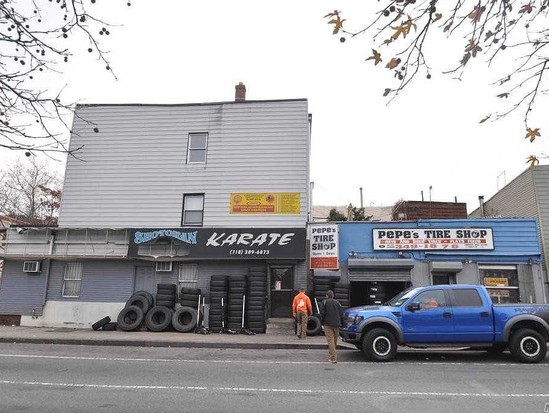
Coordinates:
[473,318]
[431,321]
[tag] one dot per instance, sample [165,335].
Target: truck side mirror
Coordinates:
[415,306]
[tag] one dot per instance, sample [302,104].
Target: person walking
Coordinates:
[332,318]
[301,308]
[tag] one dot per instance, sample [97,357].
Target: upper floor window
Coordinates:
[193,209]
[196,148]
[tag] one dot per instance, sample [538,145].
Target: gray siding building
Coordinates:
[526,196]
[167,194]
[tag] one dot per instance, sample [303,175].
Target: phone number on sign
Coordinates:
[249,252]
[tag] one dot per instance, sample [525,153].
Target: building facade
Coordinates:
[379,259]
[525,196]
[167,194]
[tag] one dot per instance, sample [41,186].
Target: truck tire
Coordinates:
[379,344]
[528,346]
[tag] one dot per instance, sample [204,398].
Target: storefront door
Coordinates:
[282,283]
[144,280]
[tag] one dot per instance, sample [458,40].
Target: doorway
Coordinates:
[282,290]
[144,279]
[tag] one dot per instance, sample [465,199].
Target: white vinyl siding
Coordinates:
[131,174]
[72,279]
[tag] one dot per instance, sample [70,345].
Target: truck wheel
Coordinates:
[528,346]
[379,345]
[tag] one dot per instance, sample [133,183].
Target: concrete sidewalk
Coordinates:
[64,335]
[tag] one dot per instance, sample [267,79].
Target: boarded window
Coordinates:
[188,275]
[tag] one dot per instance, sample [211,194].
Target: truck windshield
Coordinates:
[402,296]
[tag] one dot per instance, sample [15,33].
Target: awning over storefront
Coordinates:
[446,266]
[382,276]
[380,263]
[326,273]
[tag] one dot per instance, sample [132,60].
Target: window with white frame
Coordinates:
[193,209]
[196,148]
[188,275]
[72,279]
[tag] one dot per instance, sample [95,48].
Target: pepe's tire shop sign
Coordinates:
[379,259]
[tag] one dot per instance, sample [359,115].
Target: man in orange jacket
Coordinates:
[301,308]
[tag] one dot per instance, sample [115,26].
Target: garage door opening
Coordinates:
[374,292]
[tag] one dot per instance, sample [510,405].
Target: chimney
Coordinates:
[481,202]
[240,92]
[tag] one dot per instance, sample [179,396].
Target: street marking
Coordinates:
[160,360]
[267,390]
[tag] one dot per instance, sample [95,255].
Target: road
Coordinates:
[53,378]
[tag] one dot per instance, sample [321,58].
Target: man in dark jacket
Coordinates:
[332,318]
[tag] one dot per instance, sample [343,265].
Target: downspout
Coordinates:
[48,269]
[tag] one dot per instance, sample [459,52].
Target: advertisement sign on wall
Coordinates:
[265,203]
[433,239]
[324,247]
[238,243]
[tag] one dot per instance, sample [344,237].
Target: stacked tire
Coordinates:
[256,300]
[133,314]
[166,295]
[218,302]
[320,287]
[186,317]
[237,291]
[376,293]
[341,294]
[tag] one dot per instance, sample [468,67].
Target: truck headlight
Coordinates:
[354,319]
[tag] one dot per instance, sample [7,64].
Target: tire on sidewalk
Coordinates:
[100,323]
[130,318]
[158,318]
[184,319]
[314,326]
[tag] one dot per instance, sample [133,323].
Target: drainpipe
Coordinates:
[48,269]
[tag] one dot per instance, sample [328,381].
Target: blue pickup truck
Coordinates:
[448,315]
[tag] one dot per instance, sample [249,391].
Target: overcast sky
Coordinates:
[176,51]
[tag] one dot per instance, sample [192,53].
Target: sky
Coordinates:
[427,140]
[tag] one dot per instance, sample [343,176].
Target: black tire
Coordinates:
[162,296]
[379,344]
[314,327]
[528,346]
[184,319]
[189,303]
[147,295]
[191,291]
[130,318]
[140,301]
[189,297]
[166,287]
[158,318]
[110,327]
[101,323]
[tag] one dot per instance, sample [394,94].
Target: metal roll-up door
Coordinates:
[392,276]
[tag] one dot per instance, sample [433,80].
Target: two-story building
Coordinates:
[167,193]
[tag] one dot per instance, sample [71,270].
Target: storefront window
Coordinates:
[501,283]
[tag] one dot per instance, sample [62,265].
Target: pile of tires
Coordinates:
[341,293]
[166,295]
[133,314]
[105,324]
[376,293]
[218,302]
[235,313]
[256,301]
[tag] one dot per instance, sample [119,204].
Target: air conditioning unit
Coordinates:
[31,266]
[163,266]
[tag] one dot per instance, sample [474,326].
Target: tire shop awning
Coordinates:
[446,266]
[377,269]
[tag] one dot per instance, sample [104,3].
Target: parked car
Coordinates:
[449,315]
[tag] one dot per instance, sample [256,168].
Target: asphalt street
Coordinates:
[53,378]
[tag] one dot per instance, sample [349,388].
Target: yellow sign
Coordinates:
[266,203]
[496,282]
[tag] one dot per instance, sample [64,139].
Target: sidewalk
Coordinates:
[64,335]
